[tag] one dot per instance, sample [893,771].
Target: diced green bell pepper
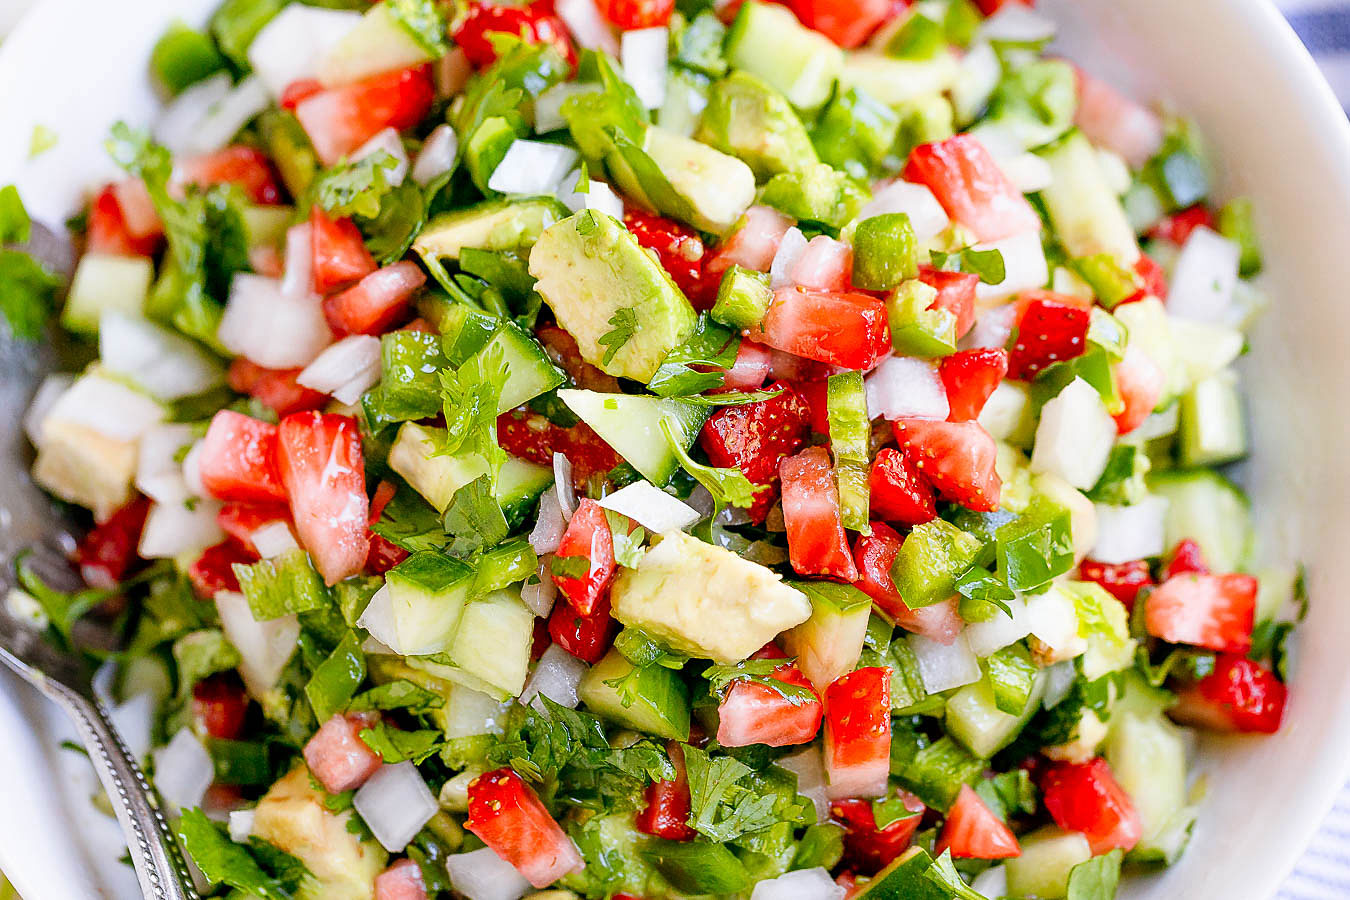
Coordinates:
[184,56]
[884,252]
[855,132]
[930,561]
[743,297]
[918,328]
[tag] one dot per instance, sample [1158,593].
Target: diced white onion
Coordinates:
[1059,680]
[481,874]
[470,712]
[378,619]
[809,768]
[556,676]
[48,393]
[345,370]
[1017,24]
[992,882]
[183,770]
[108,407]
[1054,620]
[1024,267]
[159,474]
[1075,436]
[597,196]
[790,249]
[1204,278]
[548,105]
[803,884]
[945,666]
[298,277]
[1005,410]
[270,328]
[176,126]
[387,141]
[25,608]
[264,647]
[226,117]
[926,215]
[172,529]
[903,387]
[273,539]
[1127,533]
[192,470]
[395,803]
[532,167]
[436,156]
[980,73]
[241,825]
[643,53]
[992,635]
[133,718]
[588,27]
[1028,172]
[164,364]
[289,47]
[549,527]
[562,484]
[992,328]
[651,507]
[541,595]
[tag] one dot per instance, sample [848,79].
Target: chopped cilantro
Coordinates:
[400,694]
[988,264]
[474,520]
[624,322]
[727,486]
[395,745]
[223,861]
[756,671]
[354,188]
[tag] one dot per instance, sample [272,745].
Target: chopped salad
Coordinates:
[650,450]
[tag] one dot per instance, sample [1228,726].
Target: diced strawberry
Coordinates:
[1123,581]
[1140,382]
[955,294]
[108,231]
[1085,797]
[220,705]
[531,436]
[869,849]
[825,265]
[1052,328]
[858,733]
[276,389]
[752,245]
[297,92]
[1177,227]
[376,302]
[587,540]
[238,459]
[246,168]
[666,814]
[341,119]
[1153,278]
[1214,611]
[970,377]
[240,519]
[401,881]
[957,458]
[972,188]
[846,22]
[1239,695]
[1115,122]
[875,554]
[322,467]
[213,571]
[340,254]
[973,831]
[337,756]
[384,554]
[507,815]
[138,209]
[817,397]
[587,637]
[562,348]
[753,713]
[678,247]
[535,22]
[899,493]
[754,437]
[628,15]
[989,7]
[1185,557]
[816,540]
[108,550]
[750,369]
[849,330]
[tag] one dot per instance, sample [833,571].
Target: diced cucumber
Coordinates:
[974,719]
[427,593]
[1212,427]
[1147,755]
[1203,348]
[1085,212]
[768,41]
[530,371]
[378,43]
[631,424]
[506,564]
[1042,870]
[469,712]
[896,81]
[490,652]
[491,225]
[850,434]
[106,281]
[1209,509]
[519,484]
[413,456]
[829,643]
[658,701]
[905,878]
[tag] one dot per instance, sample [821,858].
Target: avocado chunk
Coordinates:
[292,816]
[84,467]
[657,700]
[750,120]
[706,601]
[711,189]
[601,286]
[830,643]
[894,81]
[492,225]
[816,193]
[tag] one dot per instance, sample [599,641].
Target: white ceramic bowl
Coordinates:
[76,66]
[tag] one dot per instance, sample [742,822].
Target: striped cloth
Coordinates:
[1324,871]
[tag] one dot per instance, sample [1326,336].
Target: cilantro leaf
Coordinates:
[469,398]
[570,566]
[625,324]
[1009,793]
[354,188]
[411,522]
[732,398]
[400,694]
[727,486]
[943,873]
[474,519]
[628,550]
[721,808]
[335,680]
[1096,879]
[27,293]
[223,861]
[64,609]
[395,745]
[988,264]
[711,346]
[424,23]
[636,646]
[889,810]
[757,671]
[283,585]
[200,654]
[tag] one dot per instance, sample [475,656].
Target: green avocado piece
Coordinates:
[492,225]
[658,701]
[610,294]
[686,180]
[767,40]
[750,120]
[816,193]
